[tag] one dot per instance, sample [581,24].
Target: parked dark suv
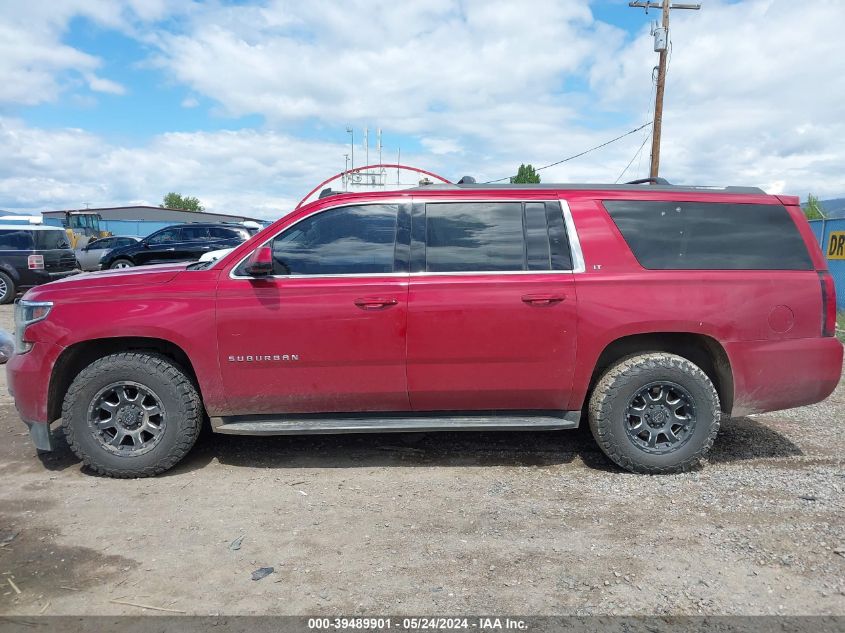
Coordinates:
[185,242]
[32,255]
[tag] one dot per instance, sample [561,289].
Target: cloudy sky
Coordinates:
[246,104]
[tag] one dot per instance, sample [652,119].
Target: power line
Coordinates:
[633,158]
[578,155]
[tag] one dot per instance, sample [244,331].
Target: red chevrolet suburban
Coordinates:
[654,312]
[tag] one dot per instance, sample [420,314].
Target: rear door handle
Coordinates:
[543,299]
[375,303]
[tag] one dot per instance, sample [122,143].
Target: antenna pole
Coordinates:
[661,46]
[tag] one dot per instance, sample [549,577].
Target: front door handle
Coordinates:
[543,299]
[375,303]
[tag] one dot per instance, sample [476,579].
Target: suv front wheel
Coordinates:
[132,414]
[655,413]
[122,263]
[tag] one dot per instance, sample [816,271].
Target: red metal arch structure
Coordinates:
[365,167]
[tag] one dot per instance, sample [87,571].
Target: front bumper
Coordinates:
[28,377]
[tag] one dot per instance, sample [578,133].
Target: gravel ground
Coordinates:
[529,523]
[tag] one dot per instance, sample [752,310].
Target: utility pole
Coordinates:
[351,133]
[661,39]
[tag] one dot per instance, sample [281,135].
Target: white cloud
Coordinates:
[36,66]
[442,145]
[245,171]
[397,63]
[98,84]
[30,65]
[754,95]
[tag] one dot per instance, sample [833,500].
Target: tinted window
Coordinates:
[16,240]
[475,236]
[195,234]
[226,233]
[122,241]
[163,237]
[705,235]
[47,240]
[537,237]
[561,256]
[348,240]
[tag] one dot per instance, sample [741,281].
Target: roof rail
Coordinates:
[657,187]
[653,181]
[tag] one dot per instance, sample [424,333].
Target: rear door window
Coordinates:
[474,237]
[195,234]
[495,237]
[710,235]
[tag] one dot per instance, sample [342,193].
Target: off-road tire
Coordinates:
[11,291]
[122,260]
[616,387]
[172,385]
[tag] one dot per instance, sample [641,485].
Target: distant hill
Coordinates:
[834,208]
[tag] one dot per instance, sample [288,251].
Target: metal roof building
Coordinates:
[142,220]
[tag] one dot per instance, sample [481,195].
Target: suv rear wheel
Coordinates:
[131,414]
[7,289]
[655,413]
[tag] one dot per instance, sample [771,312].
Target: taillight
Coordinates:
[35,262]
[828,304]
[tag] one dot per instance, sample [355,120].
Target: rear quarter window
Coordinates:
[49,240]
[710,235]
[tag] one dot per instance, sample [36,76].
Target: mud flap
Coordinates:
[41,436]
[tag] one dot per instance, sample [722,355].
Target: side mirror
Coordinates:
[260,263]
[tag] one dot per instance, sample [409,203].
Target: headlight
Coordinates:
[27,313]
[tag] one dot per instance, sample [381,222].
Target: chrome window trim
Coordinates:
[578,264]
[489,272]
[576,253]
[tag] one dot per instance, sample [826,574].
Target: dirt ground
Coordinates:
[528,523]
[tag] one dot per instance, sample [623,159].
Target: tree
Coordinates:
[526,174]
[813,209]
[175,200]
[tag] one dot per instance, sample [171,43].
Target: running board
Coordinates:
[394,423]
